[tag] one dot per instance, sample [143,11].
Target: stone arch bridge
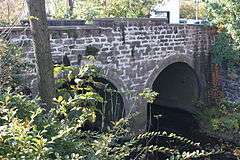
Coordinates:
[135,54]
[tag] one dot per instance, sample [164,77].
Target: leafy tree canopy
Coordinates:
[11,11]
[90,9]
[225,14]
[188,10]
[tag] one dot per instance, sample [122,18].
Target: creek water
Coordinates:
[185,124]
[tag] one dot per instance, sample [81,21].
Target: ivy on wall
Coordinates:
[225,50]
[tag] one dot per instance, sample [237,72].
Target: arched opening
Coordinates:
[178,86]
[179,90]
[112,107]
[99,94]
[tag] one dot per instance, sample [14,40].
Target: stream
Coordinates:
[183,123]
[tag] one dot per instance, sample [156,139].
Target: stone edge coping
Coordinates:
[104,23]
[51,28]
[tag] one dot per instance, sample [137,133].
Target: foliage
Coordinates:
[188,10]
[215,93]
[128,8]
[60,11]
[86,83]
[3,23]
[12,64]
[27,131]
[149,95]
[225,15]
[90,9]
[10,11]
[19,136]
[224,50]
[224,118]
[237,152]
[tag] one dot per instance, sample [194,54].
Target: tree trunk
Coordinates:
[70,4]
[42,50]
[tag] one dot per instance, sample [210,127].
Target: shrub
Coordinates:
[20,138]
[27,131]
[85,85]
[13,65]
[224,117]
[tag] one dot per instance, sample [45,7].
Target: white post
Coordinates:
[197,8]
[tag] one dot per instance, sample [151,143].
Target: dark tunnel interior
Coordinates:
[178,90]
[177,86]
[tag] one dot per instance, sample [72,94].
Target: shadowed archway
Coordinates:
[111,109]
[179,90]
[177,86]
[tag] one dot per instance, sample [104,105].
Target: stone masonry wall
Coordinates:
[131,51]
[230,83]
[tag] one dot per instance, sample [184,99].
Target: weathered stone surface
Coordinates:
[230,83]
[131,52]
